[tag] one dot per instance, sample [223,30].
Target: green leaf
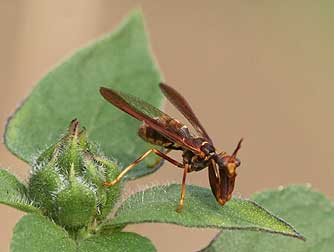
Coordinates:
[158,204]
[13,193]
[311,213]
[122,61]
[37,234]
[117,242]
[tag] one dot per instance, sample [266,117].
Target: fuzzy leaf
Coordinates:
[122,61]
[117,242]
[158,204]
[37,234]
[311,213]
[13,193]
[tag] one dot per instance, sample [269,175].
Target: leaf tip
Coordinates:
[300,237]
[134,16]
[293,235]
[136,13]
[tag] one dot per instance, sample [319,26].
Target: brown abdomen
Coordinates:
[154,137]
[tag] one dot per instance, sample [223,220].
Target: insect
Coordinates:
[160,129]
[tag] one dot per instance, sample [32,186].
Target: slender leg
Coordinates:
[183,190]
[137,161]
[169,159]
[159,159]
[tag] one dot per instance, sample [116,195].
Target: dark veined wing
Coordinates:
[147,113]
[183,106]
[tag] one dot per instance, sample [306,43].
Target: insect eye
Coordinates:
[237,162]
[225,162]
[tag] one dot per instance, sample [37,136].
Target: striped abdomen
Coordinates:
[154,137]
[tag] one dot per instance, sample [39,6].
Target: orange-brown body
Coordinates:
[198,151]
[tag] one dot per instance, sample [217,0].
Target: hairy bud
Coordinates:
[67,181]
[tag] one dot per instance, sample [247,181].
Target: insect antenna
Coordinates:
[235,152]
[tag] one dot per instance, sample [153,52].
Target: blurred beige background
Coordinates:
[258,69]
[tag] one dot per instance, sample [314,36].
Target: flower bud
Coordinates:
[67,181]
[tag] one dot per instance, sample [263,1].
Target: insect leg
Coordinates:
[159,159]
[137,161]
[183,190]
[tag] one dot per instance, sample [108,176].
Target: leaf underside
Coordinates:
[158,204]
[122,61]
[311,213]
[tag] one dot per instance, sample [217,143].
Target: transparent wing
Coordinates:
[183,106]
[147,113]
